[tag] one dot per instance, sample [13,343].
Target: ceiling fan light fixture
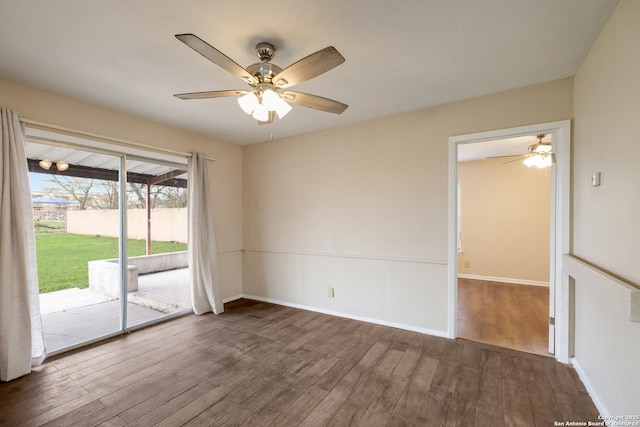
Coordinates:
[541,156]
[539,160]
[248,102]
[270,99]
[542,148]
[545,161]
[530,161]
[260,113]
[282,108]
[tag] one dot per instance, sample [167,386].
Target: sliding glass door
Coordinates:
[110,240]
[157,236]
[76,214]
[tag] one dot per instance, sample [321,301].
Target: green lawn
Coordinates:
[43,227]
[62,257]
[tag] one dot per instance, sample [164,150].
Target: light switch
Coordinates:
[595,179]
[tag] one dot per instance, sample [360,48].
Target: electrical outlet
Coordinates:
[467,264]
[331,292]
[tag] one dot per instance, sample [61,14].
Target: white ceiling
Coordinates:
[516,146]
[400,55]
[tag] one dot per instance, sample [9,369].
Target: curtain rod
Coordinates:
[106,138]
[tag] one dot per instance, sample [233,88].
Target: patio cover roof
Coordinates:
[87,164]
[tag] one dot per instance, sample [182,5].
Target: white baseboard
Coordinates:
[233,298]
[504,280]
[406,327]
[602,409]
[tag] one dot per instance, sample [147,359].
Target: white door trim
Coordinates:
[560,222]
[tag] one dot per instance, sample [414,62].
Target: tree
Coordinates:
[108,198]
[161,196]
[78,188]
[141,197]
[104,194]
[172,197]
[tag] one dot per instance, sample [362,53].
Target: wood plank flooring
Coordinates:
[260,364]
[504,314]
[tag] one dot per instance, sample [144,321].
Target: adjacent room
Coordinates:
[319,213]
[504,242]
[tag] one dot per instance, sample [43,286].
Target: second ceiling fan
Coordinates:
[268,95]
[540,154]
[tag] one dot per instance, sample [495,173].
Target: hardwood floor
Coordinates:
[262,364]
[504,314]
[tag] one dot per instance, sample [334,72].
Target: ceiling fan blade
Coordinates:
[552,155]
[217,57]
[314,101]
[515,160]
[211,94]
[502,157]
[309,67]
[272,116]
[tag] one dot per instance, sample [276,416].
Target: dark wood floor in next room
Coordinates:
[504,314]
[262,364]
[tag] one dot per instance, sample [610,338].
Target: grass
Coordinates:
[63,257]
[44,227]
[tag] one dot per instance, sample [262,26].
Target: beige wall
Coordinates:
[363,208]
[607,140]
[505,220]
[605,218]
[225,173]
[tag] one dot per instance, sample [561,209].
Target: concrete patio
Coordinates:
[73,316]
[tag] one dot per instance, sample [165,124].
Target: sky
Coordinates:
[39,180]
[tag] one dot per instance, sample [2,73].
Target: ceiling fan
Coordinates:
[539,155]
[268,95]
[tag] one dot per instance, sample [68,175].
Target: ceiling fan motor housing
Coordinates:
[264,71]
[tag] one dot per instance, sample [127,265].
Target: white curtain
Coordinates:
[203,250]
[21,336]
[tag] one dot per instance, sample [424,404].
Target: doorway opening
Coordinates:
[558,295]
[503,244]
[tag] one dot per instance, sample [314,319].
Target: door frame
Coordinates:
[559,343]
[125,151]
